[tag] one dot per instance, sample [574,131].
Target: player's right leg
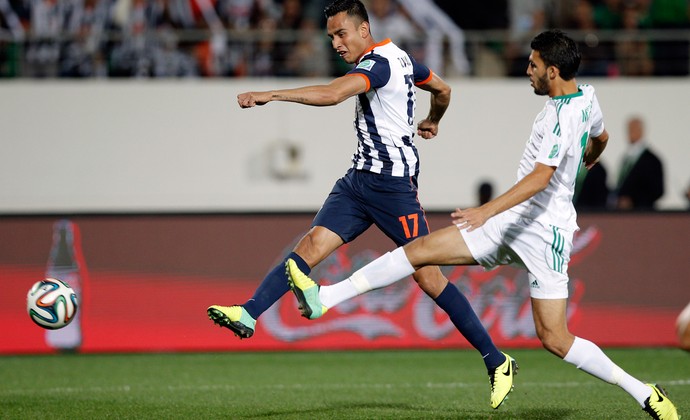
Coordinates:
[658,406]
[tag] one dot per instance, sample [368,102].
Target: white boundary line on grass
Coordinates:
[227,387]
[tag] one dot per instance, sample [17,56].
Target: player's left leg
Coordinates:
[501,368]
[316,245]
[339,219]
[550,322]
[241,319]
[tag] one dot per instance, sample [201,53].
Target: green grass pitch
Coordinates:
[418,384]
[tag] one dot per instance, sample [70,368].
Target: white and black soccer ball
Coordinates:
[51,303]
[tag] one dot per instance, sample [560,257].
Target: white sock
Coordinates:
[383,271]
[588,357]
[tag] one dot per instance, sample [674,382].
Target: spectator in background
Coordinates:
[389,21]
[439,27]
[11,37]
[150,45]
[47,23]
[591,190]
[209,54]
[84,53]
[687,196]
[597,56]
[607,13]
[241,16]
[670,56]
[633,52]
[487,57]
[10,21]
[477,15]
[299,56]
[485,192]
[641,176]
[527,18]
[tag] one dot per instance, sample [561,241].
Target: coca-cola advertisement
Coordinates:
[144,283]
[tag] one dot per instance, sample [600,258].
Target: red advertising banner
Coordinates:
[145,282]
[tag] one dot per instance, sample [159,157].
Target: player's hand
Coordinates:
[251,99]
[427,129]
[469,219]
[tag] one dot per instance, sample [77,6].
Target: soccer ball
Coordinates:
[51,303]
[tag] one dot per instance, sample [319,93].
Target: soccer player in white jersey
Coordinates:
[380,187]
[530,226]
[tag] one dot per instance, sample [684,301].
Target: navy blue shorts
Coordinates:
[360,199]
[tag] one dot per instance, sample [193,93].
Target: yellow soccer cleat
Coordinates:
[306,291]
[501,379]
[658,406]
[234,318]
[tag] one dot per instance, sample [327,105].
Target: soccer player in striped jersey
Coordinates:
[381,186]
[530,226]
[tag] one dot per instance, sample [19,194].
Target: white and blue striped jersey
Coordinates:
[385,113]
[559,137]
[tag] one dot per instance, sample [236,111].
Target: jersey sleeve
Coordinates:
[597,118]
[552,148]
[422,74]
[375,69]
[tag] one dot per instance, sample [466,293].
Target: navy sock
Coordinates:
[466,321]
[273,287]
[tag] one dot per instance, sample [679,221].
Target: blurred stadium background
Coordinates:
[125,154]
[249,38]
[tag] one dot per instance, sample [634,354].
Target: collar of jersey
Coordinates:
[378,44]
[572,95]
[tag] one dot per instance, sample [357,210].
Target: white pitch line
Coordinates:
[124,389]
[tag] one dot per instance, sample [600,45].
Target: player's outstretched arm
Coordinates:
[535,182]
[440,99]
[333,93]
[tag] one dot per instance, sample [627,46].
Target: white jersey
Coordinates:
[559,137]
[385,113]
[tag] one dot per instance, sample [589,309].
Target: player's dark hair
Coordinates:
[558,50]
[354,8]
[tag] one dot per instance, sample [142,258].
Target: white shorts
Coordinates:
[510,239]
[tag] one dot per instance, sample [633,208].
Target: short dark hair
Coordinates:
[352,7]
[558,50]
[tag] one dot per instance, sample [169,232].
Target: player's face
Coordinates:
[347,37]
[537,72]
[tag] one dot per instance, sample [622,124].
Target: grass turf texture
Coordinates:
[439,384]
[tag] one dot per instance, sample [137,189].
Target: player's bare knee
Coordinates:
[430,280]
[557,343]
[309,249]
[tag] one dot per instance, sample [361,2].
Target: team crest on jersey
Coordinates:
[366,65]
[554,151]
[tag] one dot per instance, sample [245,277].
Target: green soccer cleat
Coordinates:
[658,406]
[305,290]
[234,318]
[501,379]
